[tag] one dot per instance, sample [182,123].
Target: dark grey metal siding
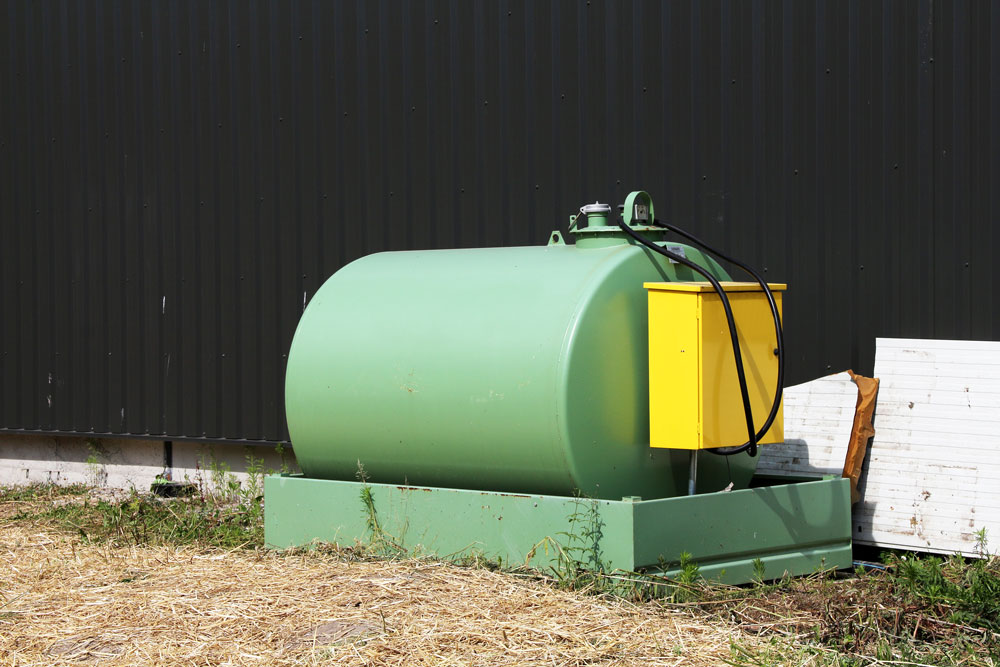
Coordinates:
[178,178]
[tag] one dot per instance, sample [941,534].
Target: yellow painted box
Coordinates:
[694,392]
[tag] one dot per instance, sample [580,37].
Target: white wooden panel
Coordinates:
[818,420]
[932,479]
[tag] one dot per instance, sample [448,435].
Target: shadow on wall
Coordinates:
[792,457]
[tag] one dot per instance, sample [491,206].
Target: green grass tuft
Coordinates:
[143,519]
[31,492]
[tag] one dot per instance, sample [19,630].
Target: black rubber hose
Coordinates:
[778,335]
[751,444]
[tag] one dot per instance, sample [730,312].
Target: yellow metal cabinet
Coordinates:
[694,392]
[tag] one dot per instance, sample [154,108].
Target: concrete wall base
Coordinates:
[126,463]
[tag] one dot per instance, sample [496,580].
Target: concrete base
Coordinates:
[126,463]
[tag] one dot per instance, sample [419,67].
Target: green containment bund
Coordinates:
[793,528]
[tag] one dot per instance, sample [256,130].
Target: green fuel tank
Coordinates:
[519,369]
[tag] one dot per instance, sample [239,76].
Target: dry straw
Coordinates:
[64,601]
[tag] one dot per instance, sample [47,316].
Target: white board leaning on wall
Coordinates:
[932,478]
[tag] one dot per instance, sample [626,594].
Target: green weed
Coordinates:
[282,453]
[913,610]
[205,518]
[576,559]
[97,475]
[142,519]
[40,492]
[580,561]
[379,541]
[953,589]
[981,543]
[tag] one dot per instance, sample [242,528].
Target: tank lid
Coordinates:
[596,207]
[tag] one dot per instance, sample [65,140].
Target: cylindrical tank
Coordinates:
[504,369]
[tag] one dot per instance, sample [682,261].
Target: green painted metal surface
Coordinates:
[506,369]
[795,528]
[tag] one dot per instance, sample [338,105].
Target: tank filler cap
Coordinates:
[596,207]
[596,214]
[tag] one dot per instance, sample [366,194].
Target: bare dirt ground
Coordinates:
[66,600]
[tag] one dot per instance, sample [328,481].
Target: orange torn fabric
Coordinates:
[862,430]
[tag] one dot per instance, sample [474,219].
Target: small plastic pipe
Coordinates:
[693,473]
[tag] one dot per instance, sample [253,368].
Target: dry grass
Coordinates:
[65,601]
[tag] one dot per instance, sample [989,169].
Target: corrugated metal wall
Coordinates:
[178,178]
